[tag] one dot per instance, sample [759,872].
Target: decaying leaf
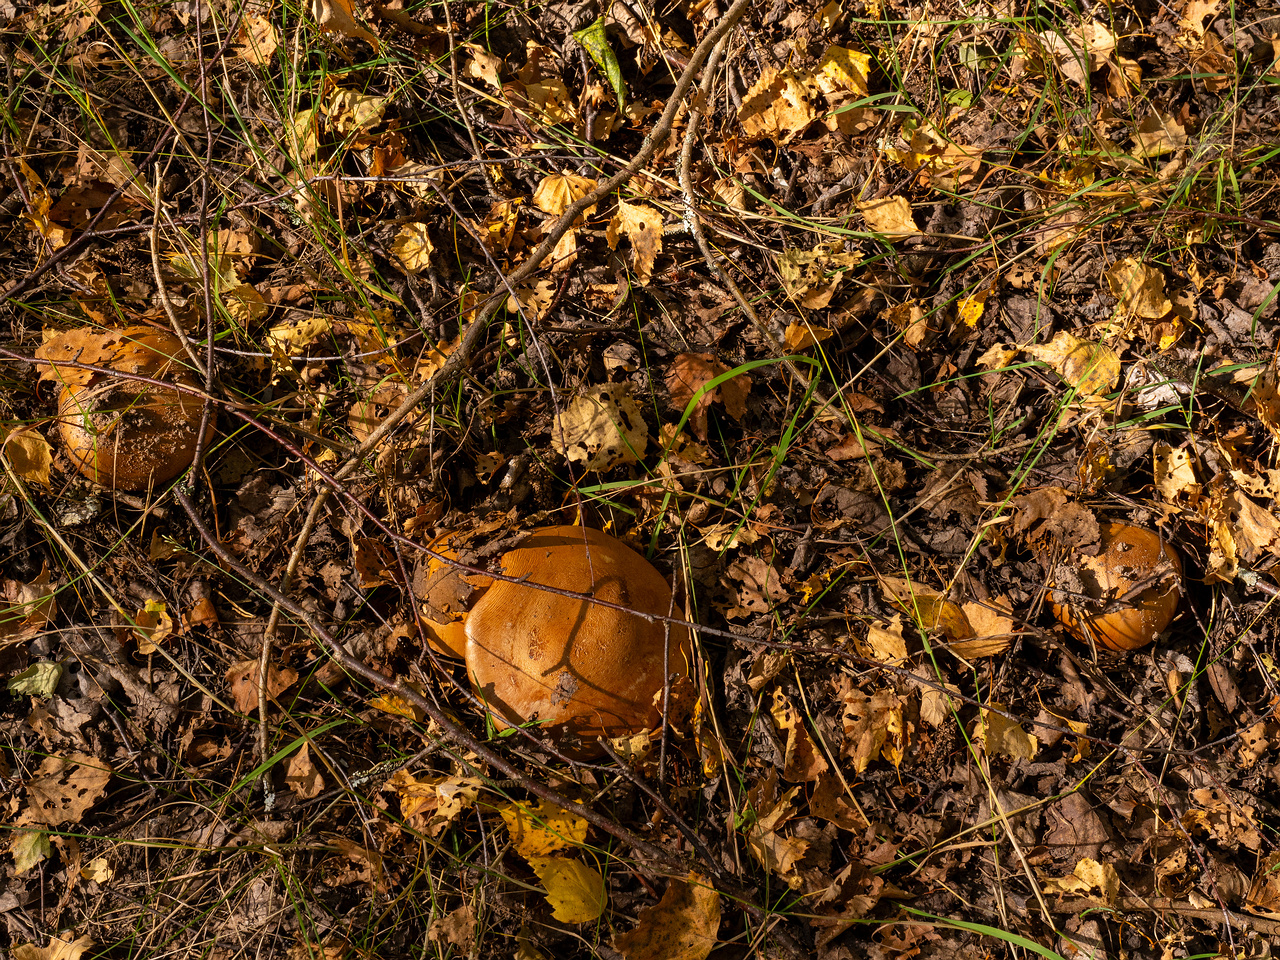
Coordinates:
[778,106]
[30,455]
[64,788]
[243,680]
[1092,368]
[642,225]
[338,16]
[601,428]
[1088,876]
[687,381]
[681,926]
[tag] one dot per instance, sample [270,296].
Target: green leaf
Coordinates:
[38,680]
[595,43]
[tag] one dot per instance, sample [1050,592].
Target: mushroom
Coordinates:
[577,669]
[121,433]
[1095,597]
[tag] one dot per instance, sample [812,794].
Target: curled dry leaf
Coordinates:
[778,106]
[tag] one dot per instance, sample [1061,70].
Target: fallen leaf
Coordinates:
[575,891]
[601,428]
[778,107]
[1091,368]
[1001,736]
[30,455]
[413,248]
[243,679]
[802,761]
[683,925]
[688,378]
[642,225]
[540,827]
[338,16]
[1139,288]
[301,775]
[557,192]
[890,216]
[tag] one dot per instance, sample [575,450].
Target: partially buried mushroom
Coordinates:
[575,669]
[1126,595]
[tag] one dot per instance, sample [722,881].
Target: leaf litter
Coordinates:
[978,330]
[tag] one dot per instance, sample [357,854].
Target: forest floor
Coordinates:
[864,322]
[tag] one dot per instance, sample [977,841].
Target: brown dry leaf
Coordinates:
[534,300]
[776,852]
[301,775]
[1001,736]
[575,891]
[456,928]
[1050,513]
[243,680]
[539,827]
[29,607]
[1225,819]
[58,949]
[927,608]
[338,16]
[413,248]
[910,319]
[1139,288]
[756,585]
[432,803]
[1092,368]
[884,642]
[642,225]
[557,192]
[802,336]
[777,107]
[256,40]
[30,455]
[869,721]
[803,762]
[890,216]
[681,926]
[64,788]
[602,428]
[1083,50]
[687,378]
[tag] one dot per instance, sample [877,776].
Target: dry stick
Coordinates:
[462,111]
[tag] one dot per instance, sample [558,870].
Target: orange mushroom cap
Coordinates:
[580,670]
[123,433]
[1129,557]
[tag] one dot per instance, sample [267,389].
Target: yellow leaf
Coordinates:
[890,216]
[574,890]
[1139,288]
[1000,735]
[557,192]
[602,428]
[843,69]
[413,248]
[777,107]
[338,16]
[29,454]
[802,336]
[153,625]
[642,225]
[1091,368]
[540,828]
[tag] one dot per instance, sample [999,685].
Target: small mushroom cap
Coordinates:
[579,669]
[1130,556]
[123,433]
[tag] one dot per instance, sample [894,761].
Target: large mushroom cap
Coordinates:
[578,669]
